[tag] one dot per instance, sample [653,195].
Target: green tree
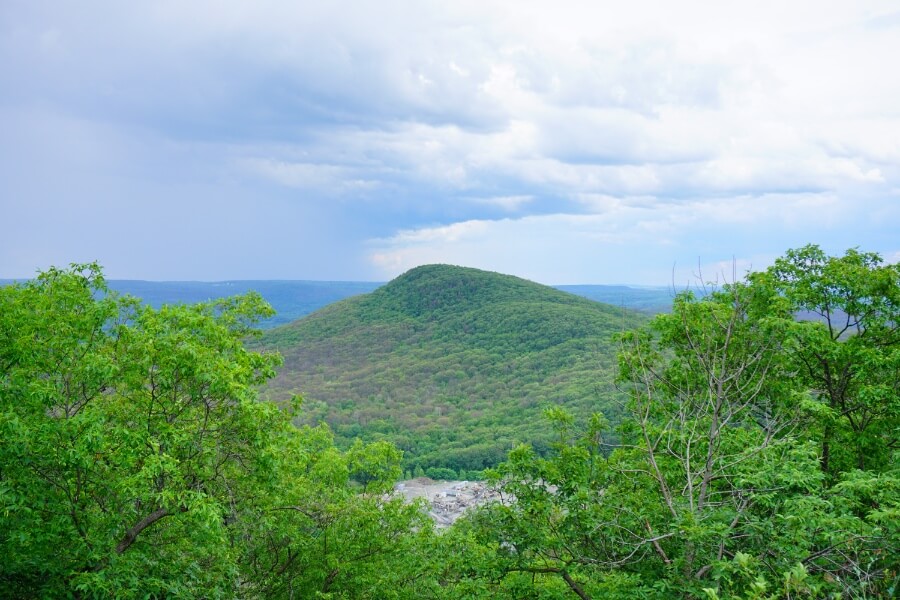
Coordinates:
[441,473]
[716,488]
[136,460]
[123,430]
[312,534]
[846,348]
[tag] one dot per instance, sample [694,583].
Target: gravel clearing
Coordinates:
[448,500]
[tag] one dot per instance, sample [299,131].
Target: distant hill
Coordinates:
[290,299]
[651,300]
[294,299]
[453,364]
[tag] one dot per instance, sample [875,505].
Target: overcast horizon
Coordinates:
[361,281]
[564,142]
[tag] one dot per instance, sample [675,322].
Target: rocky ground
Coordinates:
[448,500]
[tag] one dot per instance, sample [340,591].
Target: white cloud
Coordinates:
[644,98]
[631,122]
[507,203]
[622,239]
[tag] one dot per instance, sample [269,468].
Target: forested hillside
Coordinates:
[454,365]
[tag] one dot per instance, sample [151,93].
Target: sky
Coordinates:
[639,142]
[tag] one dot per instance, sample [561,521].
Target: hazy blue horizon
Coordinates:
[8,280]
[295,299]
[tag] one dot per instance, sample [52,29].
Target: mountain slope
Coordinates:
[453,364]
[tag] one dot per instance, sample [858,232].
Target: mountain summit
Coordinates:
[439,289]
[453,364]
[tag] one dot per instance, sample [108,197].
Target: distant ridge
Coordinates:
[290,299]
[647,299]
[293,299]
[453,364]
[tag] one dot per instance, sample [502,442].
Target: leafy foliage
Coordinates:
[136,460]
[721,485]
[757,457]
[847,350]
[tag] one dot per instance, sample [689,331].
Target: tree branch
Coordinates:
[131,534]
[574,585]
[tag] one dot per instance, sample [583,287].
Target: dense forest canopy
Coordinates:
[136,460]
[756,457]
[453,365]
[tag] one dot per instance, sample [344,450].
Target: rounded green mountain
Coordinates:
[454,365]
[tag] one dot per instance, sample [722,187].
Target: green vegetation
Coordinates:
[136,461]
[756,455]
[453,365]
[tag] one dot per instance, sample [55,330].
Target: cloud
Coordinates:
[618,127]
[623,239]
[506,203]
[444,90]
